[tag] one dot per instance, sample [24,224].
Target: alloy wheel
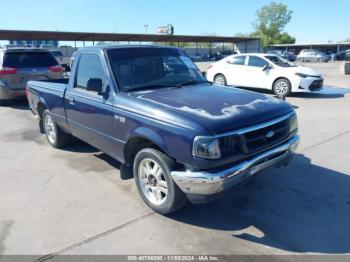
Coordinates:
[281,88]
[50,129]
[152,181]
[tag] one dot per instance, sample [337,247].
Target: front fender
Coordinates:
[151,135]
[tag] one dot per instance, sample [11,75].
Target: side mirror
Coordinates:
[94,84]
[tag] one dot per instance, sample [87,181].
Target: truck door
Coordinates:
[89,110]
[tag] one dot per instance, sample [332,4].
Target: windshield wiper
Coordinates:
[146,87]
[192,82]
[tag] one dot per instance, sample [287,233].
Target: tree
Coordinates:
[285,38]
[270,23]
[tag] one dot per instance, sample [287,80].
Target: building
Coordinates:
[36,43]
[213,43]
[326,48]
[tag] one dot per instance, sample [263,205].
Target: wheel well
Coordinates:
[41,108]
[134,145]
[279,78]
[219,74]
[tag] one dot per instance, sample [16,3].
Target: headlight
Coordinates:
[301,75]
[293,123]
[206,147]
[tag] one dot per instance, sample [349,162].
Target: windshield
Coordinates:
[150,68]
[277,60]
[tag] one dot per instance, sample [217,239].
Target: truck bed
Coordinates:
[49,93]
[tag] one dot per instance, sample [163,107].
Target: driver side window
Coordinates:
[257,61]
[90,66]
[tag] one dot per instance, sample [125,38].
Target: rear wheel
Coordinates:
[282,87]
[152,170]
[220,80]
[54,135]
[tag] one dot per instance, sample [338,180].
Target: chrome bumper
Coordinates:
[205,183]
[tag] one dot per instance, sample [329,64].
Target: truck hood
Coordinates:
[218,109]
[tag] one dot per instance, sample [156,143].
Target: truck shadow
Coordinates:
[20,104]
[299,208]
[5,228]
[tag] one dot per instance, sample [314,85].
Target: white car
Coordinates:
[266,71]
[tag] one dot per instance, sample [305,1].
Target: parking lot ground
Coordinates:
[73,201]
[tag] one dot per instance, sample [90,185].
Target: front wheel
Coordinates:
[282,87]
[220,80]
[152,170]
[54,135]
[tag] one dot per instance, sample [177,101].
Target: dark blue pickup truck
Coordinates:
[151,109]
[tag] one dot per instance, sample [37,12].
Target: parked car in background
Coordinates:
[284,54]
[152,110]
[266,71]
[62,60]
[311,55]
[195,58]
[19,65]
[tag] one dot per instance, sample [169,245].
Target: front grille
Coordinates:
[228,145]
[316,85]
[254,140]
[264,137]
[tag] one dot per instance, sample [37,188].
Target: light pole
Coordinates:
[146,27]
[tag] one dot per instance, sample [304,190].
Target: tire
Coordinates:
[2,102]
[282,87]
[154,183]
[220,80]
[54,135]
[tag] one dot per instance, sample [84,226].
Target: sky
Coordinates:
[312,21]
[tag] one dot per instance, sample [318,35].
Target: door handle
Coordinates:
[71,100]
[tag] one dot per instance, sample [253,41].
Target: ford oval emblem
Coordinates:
[270,134]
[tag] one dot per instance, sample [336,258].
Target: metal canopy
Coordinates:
[85,36]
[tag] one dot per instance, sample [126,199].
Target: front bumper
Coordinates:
[310,84]
[211,183]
